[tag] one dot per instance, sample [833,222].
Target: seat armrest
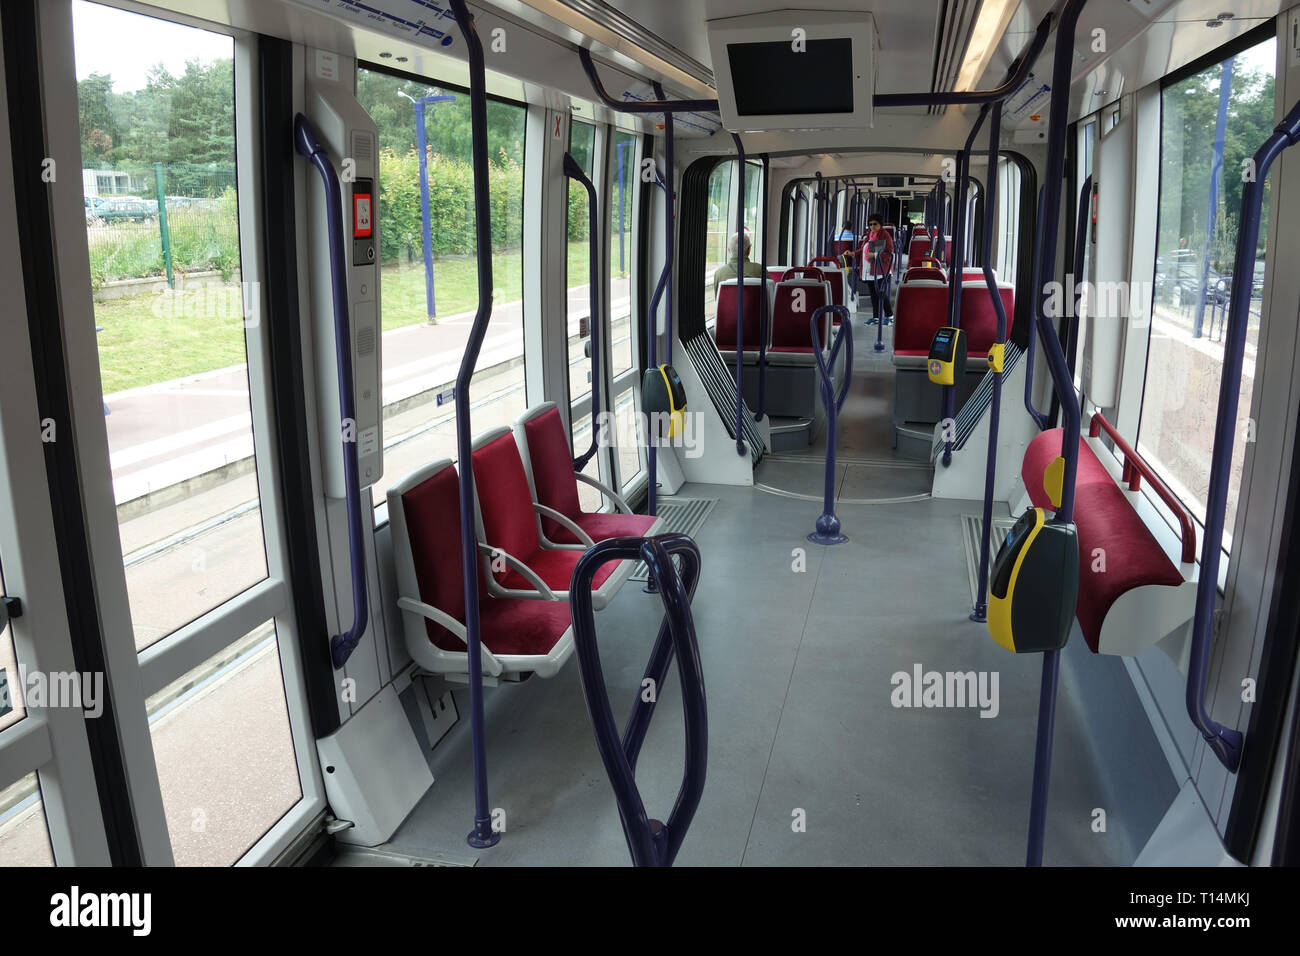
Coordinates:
[491,665]
[529,574]
[566,522]
[605,490]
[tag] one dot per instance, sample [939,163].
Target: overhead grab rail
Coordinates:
[740,294]
[651,842]
[828,525]
[308,144]
[1224,741]
[640,106]
[573,171]
[482,835]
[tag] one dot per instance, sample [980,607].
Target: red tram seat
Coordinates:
[509,535]
[518,635]
[930,273]
[921,310]
[724,330]
[798,296]
[543,443]
[1131,594]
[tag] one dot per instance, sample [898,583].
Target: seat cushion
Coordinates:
[521,626]
[554,567]
[600,525]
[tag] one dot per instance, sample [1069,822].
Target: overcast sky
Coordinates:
[127,45]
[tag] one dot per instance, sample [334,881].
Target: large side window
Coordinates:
[1200,199]
[724,224]
[429,294]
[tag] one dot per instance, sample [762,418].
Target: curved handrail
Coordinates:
[642,106]
[1135,469]
[800,272]
[976,97]
[1224,741]
[573,171]
[980,611]
[482,835]
[1080,247]
[740,294]
[308,145]
[828,525]
[763,318]
[650,842]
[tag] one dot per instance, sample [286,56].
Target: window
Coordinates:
[1087,147]
[582,146]
[1200,199]
[11,704]
[1009,212]
[428,305]
[622,346]
[723,224]
[169,309]
[24,834]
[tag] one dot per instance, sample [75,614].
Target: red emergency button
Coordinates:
[361,224]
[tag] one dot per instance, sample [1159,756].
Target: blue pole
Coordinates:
[422,144]
[482,835]
[1212,209]
[828,525]
[1045,264]
[740,294]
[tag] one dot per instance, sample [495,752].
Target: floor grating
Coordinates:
[970,539]
[680,516]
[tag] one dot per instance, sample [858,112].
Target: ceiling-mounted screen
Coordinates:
[794,69]
[891,182]
[771,77]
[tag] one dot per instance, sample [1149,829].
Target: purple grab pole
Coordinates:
[308,144]
[1044,265]
[740,295]
[573,171]
[1224,741]
[482,836]
[828,525]
[763,317]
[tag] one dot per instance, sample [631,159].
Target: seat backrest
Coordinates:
[504,501]
[724,332]
[919,247]
[980,319]
[425,521]
[543,442]
[796,301]
[926,273]
[921,310]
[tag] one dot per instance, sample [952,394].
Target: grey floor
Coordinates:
[799,658]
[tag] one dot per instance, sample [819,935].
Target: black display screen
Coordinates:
[771,79]
[891,182]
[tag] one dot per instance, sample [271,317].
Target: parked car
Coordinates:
[125,209]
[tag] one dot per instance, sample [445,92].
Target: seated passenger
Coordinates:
[728,269]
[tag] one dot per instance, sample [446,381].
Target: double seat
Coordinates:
[792,382]
[531,531]
[921,310]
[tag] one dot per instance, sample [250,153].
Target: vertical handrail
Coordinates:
[763,317]
[650,842]
[670,232]
[828,525]
[1225,742]
[980,612]
[308,144]
[940,240]
[957,276]
[1039,418]
[740,295]
[878,299]
[651,361]
[573,171]
[1045,263]
[482,835]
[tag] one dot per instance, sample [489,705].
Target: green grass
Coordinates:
[147,338]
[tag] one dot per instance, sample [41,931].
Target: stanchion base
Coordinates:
[980,615]
[650,587]
[818,538]
[878,347]
[480,842]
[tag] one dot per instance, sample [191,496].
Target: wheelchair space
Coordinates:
[798,666]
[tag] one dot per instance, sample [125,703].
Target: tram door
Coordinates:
[156,233]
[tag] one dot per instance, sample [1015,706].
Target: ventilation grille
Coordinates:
[365,340]
[721,386]
[979,402]
[680,516]
[363,147]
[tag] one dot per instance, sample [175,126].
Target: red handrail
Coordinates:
[1135,469]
